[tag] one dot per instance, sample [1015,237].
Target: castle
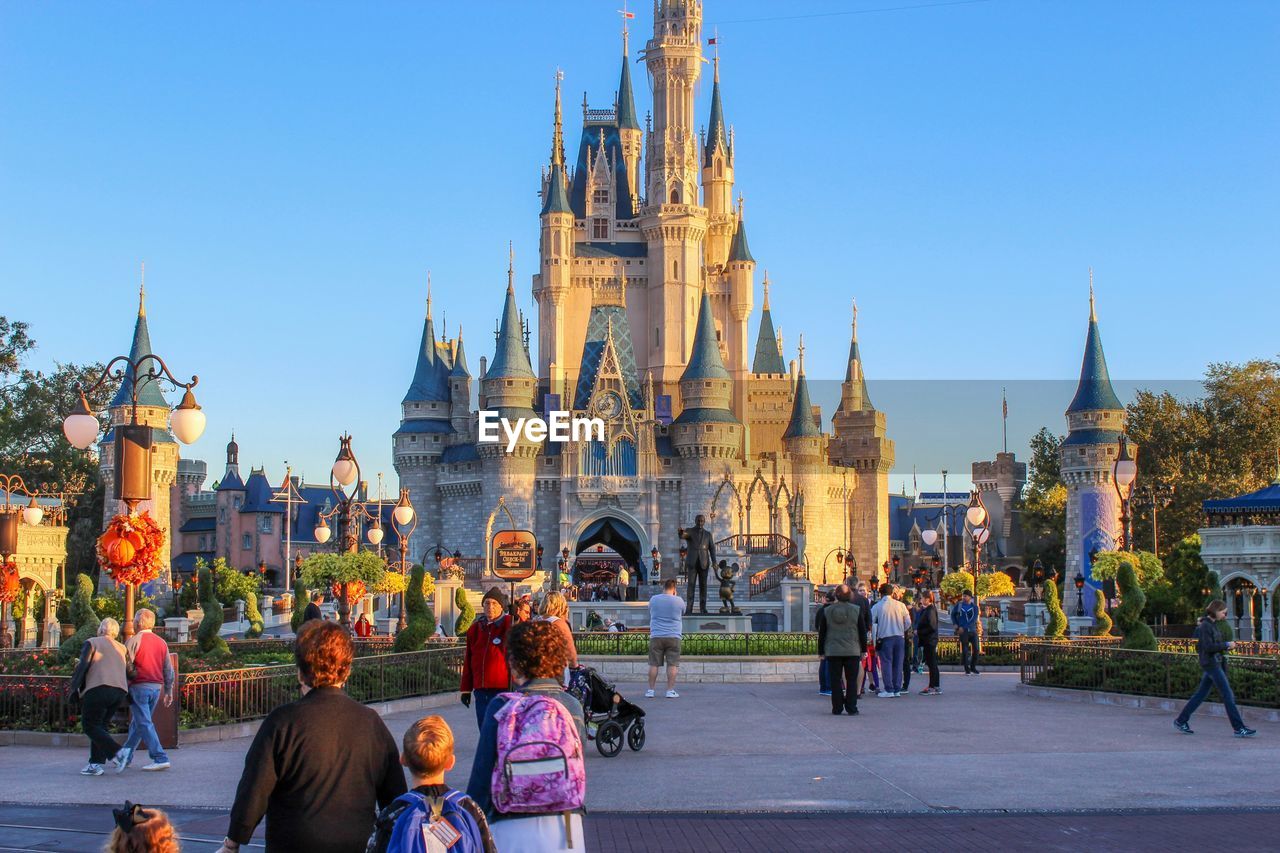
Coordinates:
[644,291]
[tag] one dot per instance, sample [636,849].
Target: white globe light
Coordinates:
[344,471]
[33,514]
[929,537]
[323,533]
[403,515]
[81,430]
[187,424]
[375,535]
[976,515]
[982,534]
[1126,471]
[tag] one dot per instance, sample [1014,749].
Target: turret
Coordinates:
[706,425]
[551,284]
[717,179]
[509,381]
[741,267]
[803,438]
[853,391]
[629,134]
[674,59]
[768,357]
[459,389]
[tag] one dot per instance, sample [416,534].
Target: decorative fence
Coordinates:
[994,652]
[41,703]
[1164,674]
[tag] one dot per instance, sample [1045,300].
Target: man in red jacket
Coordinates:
[484,667]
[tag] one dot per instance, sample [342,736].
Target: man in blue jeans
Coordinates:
[1209,647]
[964,616]
[151,681]
[890,620]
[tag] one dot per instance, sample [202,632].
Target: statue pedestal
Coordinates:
[178,629]
[387,626]
[444,606]
[1037,617]
[717,623]
[1080,626]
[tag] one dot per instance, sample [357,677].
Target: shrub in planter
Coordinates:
[299,604]
[1056,629]
[254,615]
[207,635]
[420,621]
[466,613]
[1137,634]
[82,615]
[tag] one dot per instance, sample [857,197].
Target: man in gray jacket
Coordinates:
[841,640]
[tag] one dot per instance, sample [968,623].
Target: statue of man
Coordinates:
[701,557]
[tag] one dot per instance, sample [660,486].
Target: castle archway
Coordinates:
[618,532]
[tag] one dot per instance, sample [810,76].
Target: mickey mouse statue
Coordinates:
[727,573]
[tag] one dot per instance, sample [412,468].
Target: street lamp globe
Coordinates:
[928,537]
[323,532]
[33,514]
[1125,469]
[981,535]
[345,470]
[403,513]
[375,534]
[81,427]
[187,421]
[976,513]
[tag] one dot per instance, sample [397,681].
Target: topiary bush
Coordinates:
[207,636]
[420,621]
[466,613]
[82,615]
[1056,628]
[254,615]
[1101,618]
[1128,618]
[301,598]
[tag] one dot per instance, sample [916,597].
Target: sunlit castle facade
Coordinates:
[644,293]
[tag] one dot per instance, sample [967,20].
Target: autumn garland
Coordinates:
[356,590]
[10,588]
[129,549]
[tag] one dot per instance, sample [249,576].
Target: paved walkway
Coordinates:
[777,748]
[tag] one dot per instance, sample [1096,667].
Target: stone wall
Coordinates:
[711,670]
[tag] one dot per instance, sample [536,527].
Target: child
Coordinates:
[432,816]
[139,828]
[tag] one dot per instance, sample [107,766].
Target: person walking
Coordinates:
[864,614]
[484,664]
[666,628]
[908,640]
[152,681]
[100,683]
[321,766]
[927,641]
[820,625]
[1209,648]
[841,640]
[964,616]
[890,620]
[312,610]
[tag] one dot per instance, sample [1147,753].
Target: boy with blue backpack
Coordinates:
[431,817]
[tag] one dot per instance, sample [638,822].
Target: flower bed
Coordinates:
[1169,675]
[1001,651]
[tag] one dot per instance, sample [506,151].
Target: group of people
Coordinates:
[877,644]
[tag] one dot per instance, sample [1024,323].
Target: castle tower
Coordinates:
[769,389]
[1095,422]
[152,411]
[554,279]
[672,222]
[426,428]
[628,127]
[860,441]
[740,269]
[190,478]
[1000,484]
[509,385]
[804,441]
[460,391]
[228,499]
[717,179]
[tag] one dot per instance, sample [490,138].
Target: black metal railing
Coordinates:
[712,644]
[1164,674]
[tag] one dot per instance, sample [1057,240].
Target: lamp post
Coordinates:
[655,559]
[349,512]
[1157,497]
[1079,594]
[10,515]
[896,560]
[1037,580]
[132,452]
[841,554]
[1123,472]
[975,515]
[405,521]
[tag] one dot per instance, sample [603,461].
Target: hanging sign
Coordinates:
[513,554]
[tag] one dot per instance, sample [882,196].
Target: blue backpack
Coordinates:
[412,812]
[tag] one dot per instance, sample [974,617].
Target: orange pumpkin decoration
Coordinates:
[121,551]
[10,588]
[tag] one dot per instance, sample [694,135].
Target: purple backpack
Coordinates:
[540,768]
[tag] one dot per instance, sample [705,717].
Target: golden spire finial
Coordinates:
[1093,313]
[800,353]
[511,266]
[855,318]
[557,137]
[715,56]
[428,294]
[142,292]
[766,290]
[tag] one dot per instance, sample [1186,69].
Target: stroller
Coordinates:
[613,717]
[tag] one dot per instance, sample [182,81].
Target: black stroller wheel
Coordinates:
[635,736]
[609,738]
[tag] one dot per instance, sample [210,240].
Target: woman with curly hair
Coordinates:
[555,610]
[141,830]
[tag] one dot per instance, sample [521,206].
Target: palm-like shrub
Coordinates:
[207,637]
[1101,618]
[1056,628]
[420,621]
[1137,634]
[466,613]
[82,614]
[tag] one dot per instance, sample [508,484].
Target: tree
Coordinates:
[82,614]
[1149,570]
[1137,634]
[322,571]
[1101,619]
[1190,577]
[1044,503]
[466,613]
[207,636]
[990,585]
[420,621]
[1056,628]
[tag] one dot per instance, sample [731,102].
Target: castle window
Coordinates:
[675,271]
[246,542]
[657,340]
[600,196]
[222,514]
[235,502]
[599,229]
[264,524]
[675,195]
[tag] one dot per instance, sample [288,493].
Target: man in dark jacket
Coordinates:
[859,597]
[484,666]
[820,625]
[1209,648]
[321,766]
[700,559]
[927,639]
[312,610]
[841,643]
[964,615]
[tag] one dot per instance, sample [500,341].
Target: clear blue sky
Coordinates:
[289,171]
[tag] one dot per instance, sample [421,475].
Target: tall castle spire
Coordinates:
[555,195]
[1094,392]
[717,138]
[854,396]
[802,423]
[626,101]
[768,357]
[510,358]
[140,353]
[430,375]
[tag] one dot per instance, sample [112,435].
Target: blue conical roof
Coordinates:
[768,358]
[140,353]
[626,102]
[704,359]
[459,360]
[556,198]
[1094,391]
[510,359]
[715,129]
[430,375]
[802,424]
[739,250]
